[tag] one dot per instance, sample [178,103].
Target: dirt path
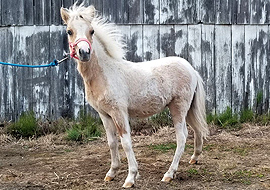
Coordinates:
[231,160]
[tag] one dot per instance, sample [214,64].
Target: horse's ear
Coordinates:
[64,14]
[91,11]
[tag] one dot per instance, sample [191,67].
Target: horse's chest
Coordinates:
[95,93]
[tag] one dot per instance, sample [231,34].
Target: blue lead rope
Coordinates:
[51,64]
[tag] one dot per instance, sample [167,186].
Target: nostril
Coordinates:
[80,52]
[88,52]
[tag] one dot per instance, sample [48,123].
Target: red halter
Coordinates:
[73,45]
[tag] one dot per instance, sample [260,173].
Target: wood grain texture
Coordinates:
[241,12]
[229,47]
[223,11]
[207,11]
[151,42]
[151,11]
[181,41]
[208,65]
[238,67]
[223,65]
[167,40]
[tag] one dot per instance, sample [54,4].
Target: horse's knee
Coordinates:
[112,144]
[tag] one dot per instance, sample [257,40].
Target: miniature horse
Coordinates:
[118,89]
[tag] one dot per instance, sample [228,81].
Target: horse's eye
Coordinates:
[69,32]
[92,32]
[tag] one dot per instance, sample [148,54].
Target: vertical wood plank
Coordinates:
[208,66]
[151,42]
[207,11]
[37,12]
[135,11]
[48,12]
[223,11]
[41,77]
[238,67]
[42,12]
[69,69]
[267,77]
[67,3]
[257,85]
[261,69]
[168,11]
[122,12]
[23,81]
[241,12]
[223,67]
[57,83]
[181,41]
[1,16]
[9,72]
[20,20]
[125,32]
[194,46]
[110,10]
[12,15]
[28,12]
[187,12]
[3,94]
[136,43]
[151,12]
[259,11]
[54,12]
[250,62]
[167,40]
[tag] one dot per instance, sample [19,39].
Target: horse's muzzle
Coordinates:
[84,56]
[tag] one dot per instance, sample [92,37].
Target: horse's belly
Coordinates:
[146,107]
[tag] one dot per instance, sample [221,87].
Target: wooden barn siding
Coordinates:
[230,52]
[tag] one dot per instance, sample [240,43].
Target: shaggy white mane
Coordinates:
[106,33]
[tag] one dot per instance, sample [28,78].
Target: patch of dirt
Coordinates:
[230,160]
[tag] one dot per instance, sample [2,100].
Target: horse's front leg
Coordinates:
[113,144]
[121,122]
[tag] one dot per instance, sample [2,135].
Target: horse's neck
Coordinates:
[89,70]
[100,64]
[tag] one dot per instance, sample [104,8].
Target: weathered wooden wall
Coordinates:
[227,41]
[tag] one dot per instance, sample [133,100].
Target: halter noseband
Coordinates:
[73,45]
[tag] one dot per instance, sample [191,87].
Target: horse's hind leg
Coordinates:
[198,137]
[178,115]
[198,143]
[113,144]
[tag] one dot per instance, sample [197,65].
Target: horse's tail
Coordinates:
[196,116]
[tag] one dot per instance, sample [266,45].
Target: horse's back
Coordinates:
[154,84]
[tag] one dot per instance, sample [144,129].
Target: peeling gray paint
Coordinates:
[229,48]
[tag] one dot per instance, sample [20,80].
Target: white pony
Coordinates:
[118,89]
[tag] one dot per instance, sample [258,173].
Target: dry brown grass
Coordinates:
[231,160]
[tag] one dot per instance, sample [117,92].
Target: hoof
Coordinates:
[108,178]
[167,179]
[193,161]
[128,185]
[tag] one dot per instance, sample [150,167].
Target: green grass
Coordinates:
[85,129]
[226,119]
[242,151]
[163,147]
[162,119]
[26,126]
[247,115]
[233,121]
[242,176]
[192,172]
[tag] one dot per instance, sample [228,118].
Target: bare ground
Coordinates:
[230,160]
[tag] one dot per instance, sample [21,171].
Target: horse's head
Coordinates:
[80,31]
